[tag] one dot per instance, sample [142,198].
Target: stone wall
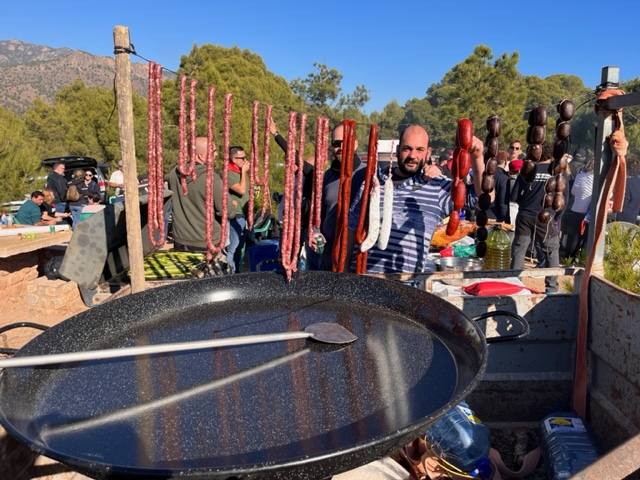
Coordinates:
[26,297]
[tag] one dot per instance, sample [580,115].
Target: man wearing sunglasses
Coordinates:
[87,187]
[330,187]
[238,198]
[515,150]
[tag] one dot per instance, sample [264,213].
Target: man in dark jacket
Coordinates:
[500,208]
[57,182]
[545,236]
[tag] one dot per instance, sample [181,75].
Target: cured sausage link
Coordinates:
[182,135]
[159,159]
[339,253]
[361,232]
[266,193]
[461,163]
[288,200]
[226,139]
[488,182]
[253,164]
[320,157]
[155,213]
[209,185]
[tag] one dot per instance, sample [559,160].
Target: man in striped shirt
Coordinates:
[422,198]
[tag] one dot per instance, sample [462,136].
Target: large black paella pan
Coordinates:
[294,409]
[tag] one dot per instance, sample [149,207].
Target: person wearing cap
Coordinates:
[116,180]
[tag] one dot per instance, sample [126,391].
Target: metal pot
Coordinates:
[458,264]
[293,409]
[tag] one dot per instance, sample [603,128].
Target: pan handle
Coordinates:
[11,326]
[508,337]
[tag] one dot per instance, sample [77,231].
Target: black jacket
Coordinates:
[500,207]
[58,184]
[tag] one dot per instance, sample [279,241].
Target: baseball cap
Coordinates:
[516,165]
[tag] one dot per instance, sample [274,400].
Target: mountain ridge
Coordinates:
[29,71]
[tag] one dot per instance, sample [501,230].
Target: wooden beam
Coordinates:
[128,153]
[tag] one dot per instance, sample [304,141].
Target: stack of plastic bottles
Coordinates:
[567,444]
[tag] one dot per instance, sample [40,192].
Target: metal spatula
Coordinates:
[320,332]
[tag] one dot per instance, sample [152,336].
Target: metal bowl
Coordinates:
[458,264]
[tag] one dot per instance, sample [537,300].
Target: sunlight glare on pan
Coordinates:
[222,295]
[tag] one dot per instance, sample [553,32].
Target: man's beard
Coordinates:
[410,171]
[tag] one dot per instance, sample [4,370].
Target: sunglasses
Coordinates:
[88,175]
[336,143]
[511,147]
[240,158]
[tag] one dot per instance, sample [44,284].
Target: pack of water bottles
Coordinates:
[568,447]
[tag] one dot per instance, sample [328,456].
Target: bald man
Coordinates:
[422,198]
[189,210]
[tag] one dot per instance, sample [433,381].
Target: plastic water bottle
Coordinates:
[460,438]
[498,256]
[568,447]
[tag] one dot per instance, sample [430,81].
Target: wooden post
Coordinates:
[128,153]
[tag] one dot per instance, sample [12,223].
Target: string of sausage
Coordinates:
[340,246]
[361,233]
[264,182]
[184,169]
[292,211]
[226,139]
[488,183]
[554,198]
[460,169]
[209,185]
[320,158]
[155,202]
[253,163]
[254,178]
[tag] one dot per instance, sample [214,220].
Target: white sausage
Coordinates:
[373,230]
[387,213]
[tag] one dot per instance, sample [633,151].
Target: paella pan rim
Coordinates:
[306,467]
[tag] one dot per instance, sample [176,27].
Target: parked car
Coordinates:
[71,163]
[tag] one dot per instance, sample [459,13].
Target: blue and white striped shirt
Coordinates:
[419,206]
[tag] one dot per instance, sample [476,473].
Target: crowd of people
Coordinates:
[421,200]
[62,200]
[422,184]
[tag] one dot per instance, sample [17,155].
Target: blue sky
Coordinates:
[396,49]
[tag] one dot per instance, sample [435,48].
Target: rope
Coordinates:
[613,185]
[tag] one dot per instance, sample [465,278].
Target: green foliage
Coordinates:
[19,167]
[323,94]
[242,73]
[622,257]
[82,121]
[481,86]
[388,120]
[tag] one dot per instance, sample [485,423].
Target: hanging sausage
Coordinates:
[361,234]
[488,183]
[155,170]
[460,169]
[340,246]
